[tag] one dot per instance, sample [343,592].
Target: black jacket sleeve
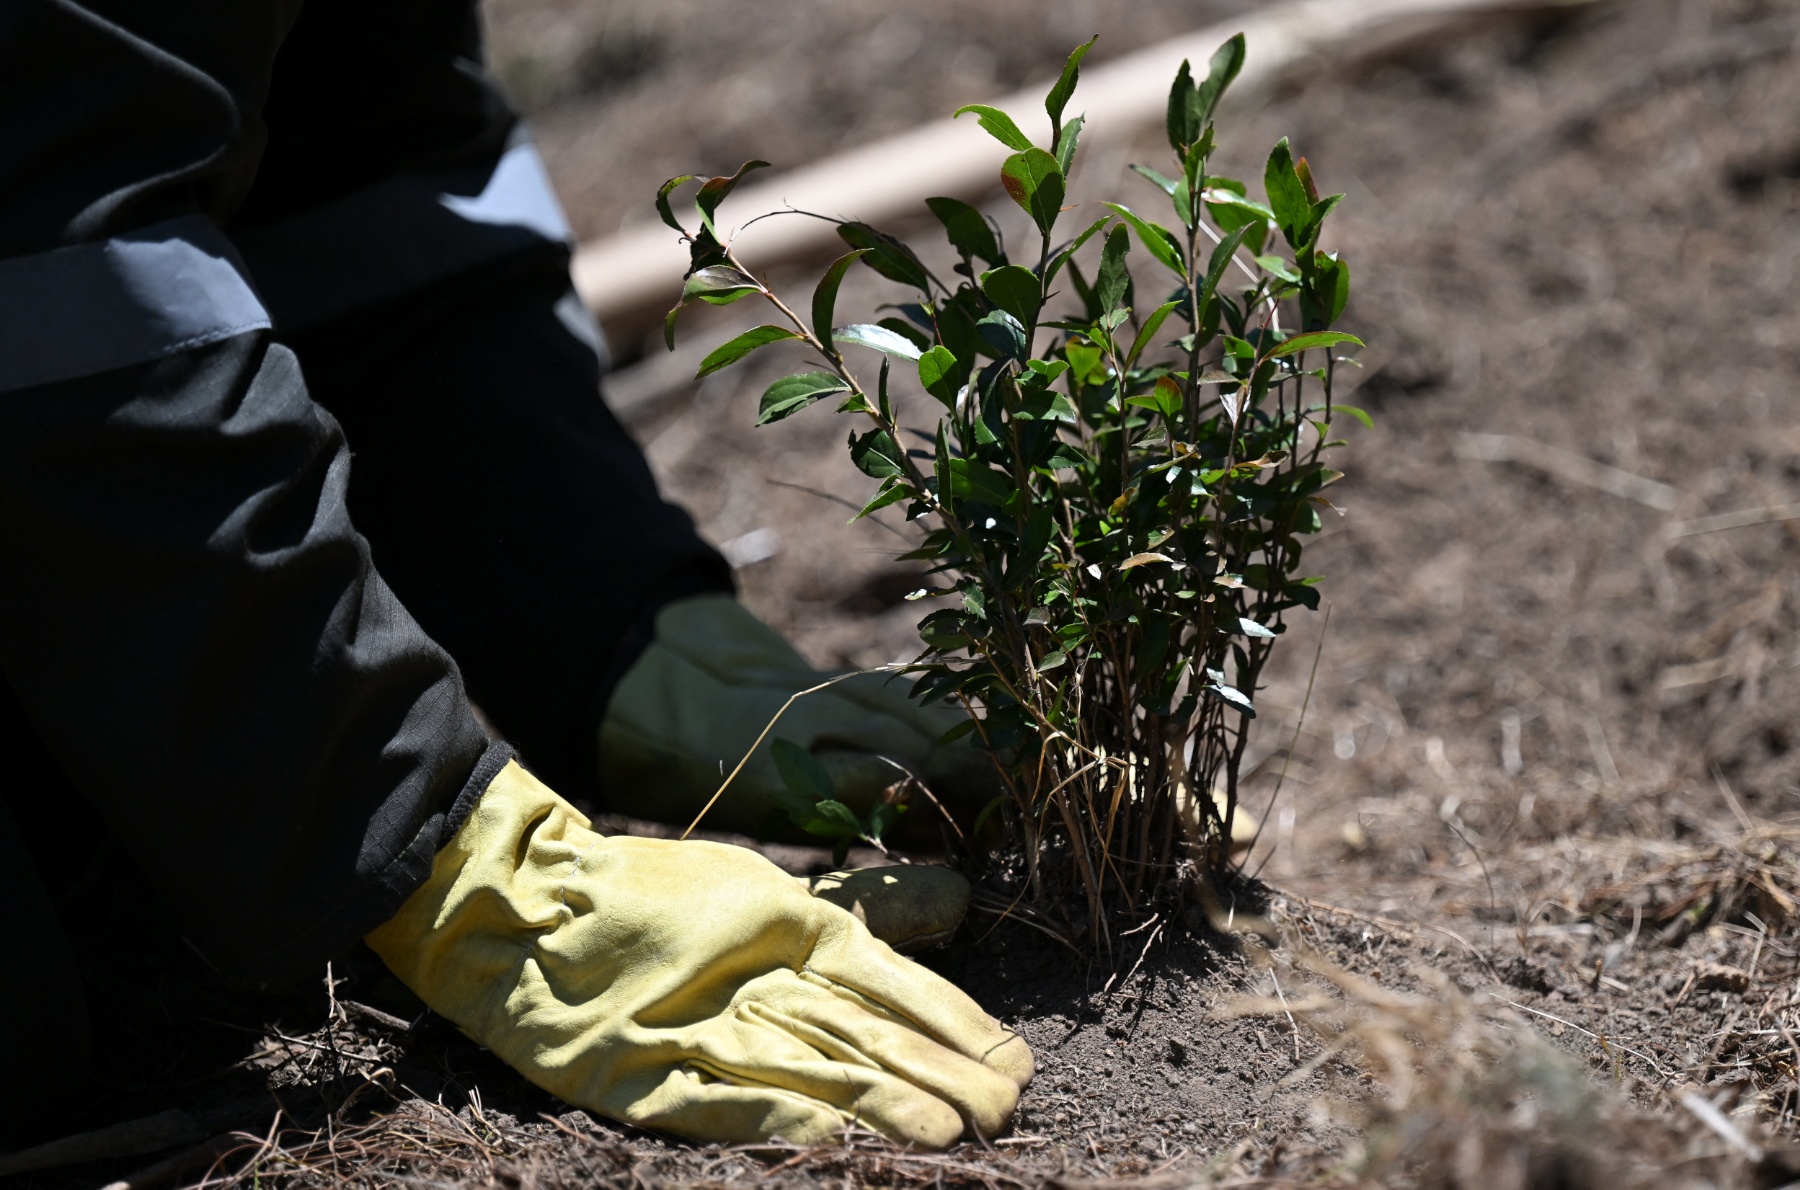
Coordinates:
[197,632]
[188,618]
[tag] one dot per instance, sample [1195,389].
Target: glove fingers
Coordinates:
[702,1104]
[758,1046]
[982,1097]
[857,967]
[717,634]
[910,907]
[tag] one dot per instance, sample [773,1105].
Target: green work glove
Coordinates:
[701,693]
[689,986]
[911,907]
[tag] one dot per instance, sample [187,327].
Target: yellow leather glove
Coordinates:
[689,986]
[686,712]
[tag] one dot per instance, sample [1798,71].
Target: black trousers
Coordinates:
[239,242]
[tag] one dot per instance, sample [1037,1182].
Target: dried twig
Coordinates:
[132,1138]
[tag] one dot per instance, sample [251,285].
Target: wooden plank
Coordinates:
[633,274]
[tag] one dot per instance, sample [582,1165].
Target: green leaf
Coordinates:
[890,493]
[946,486]
[1275,266]
[719,285]
[1015,290]
[1233,696]
[1166,185]
[1066,142]
[955,318]
[1359,414]
[1051,660]
[1165,398]
[1227,60]
[824,303]
[1303,171]
[1039,527]
[1221,260]
[938,374]
[965,728]
[713,191]
[998,124]
[1148,331]
[1231,211]
[1313,339]
[1184,110]
[726,354]
[1340,296]
[1287,195]
[977,481]
[1193,177]
[967,229]
[662,201]
[800,770]
[1250,627]
[1322,208]
[1086,361]
[832,819]
[1002,332]
[1065,84]
[876,454]
[1333,274]
[887,256]
[906,330]
[880,338]
[1063,257]
[704,251]
[790,807]
[1114,277]
[791,394]
[880,818]
[1065,457]
[1035,181]
[1159,241]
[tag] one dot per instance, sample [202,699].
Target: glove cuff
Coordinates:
[474,892]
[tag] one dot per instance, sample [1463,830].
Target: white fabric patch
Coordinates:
[91,308]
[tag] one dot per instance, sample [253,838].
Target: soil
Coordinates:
[1545,777]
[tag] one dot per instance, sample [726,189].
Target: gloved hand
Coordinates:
[911,907]
[1196,826]
[689,986]
[689,708]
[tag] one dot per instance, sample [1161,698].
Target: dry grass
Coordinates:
[1465,1092]
[1436,1088]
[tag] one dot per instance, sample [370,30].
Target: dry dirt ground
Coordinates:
[1527,911]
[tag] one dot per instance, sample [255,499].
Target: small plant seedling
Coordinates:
[1110,492]
[808,799]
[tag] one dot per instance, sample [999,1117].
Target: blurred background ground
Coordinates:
[625,93]
[1549,766]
